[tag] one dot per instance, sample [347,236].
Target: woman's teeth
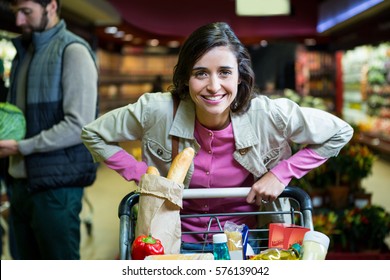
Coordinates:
[213,98]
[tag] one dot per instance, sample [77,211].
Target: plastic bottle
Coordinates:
[315,245]
[293,253]
[220,248]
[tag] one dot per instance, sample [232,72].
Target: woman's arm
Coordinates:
[323,134]
[126,166]
[297,165]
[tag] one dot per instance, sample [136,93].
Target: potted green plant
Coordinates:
[338,188]
[354,162]
[365,229]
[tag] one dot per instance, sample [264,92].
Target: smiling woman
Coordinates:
[241,138]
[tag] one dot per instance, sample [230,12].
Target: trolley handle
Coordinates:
[296,193]
[127,202]
[299,195]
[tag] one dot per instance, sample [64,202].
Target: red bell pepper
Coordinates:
[144,246]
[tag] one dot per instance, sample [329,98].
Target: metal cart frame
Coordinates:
[300,211]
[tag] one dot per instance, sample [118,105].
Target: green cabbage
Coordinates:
[12,122]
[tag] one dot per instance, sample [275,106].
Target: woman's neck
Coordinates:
[213,123]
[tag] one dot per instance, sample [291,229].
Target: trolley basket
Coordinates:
[300,213]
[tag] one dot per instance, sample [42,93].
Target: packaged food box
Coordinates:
[282,235]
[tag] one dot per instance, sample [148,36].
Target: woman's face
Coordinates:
[213,86]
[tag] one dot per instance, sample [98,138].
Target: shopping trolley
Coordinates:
[300,213]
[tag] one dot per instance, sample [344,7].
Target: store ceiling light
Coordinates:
[173,44]
[263,43]
[153,42]
[111,30]
[262,7]
[334,12]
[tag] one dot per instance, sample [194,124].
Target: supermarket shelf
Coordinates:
[376,142]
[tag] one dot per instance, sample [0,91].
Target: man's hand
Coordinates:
[8,148]
[266,189]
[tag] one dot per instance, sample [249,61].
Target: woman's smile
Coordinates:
[213,99]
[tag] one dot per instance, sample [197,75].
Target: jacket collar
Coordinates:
[244,133]
[41,38]
[183,125]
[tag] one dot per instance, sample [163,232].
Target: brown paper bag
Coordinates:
[159,207]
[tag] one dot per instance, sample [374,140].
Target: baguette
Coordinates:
[180,165]
[152,170]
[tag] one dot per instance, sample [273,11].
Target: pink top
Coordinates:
[215,167]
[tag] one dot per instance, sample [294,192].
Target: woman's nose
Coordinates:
[214,84]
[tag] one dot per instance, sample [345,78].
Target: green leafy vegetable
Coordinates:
[12,122]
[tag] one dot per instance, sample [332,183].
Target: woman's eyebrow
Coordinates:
[198,67]
[221,67]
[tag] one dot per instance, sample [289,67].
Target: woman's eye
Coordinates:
[225,73]
[200,74]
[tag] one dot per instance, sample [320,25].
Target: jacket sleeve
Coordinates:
[79,82]
[323,132]
[103,135]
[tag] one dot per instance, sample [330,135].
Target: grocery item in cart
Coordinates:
[146,245]
[182,257]
[160,202]
[293,253]
[159,211]
[220,247]
[315,245]
[235,240]
[283,235]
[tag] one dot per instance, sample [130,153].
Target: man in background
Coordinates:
[54,82]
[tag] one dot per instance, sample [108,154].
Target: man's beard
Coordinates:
[43,24]
[27,36]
